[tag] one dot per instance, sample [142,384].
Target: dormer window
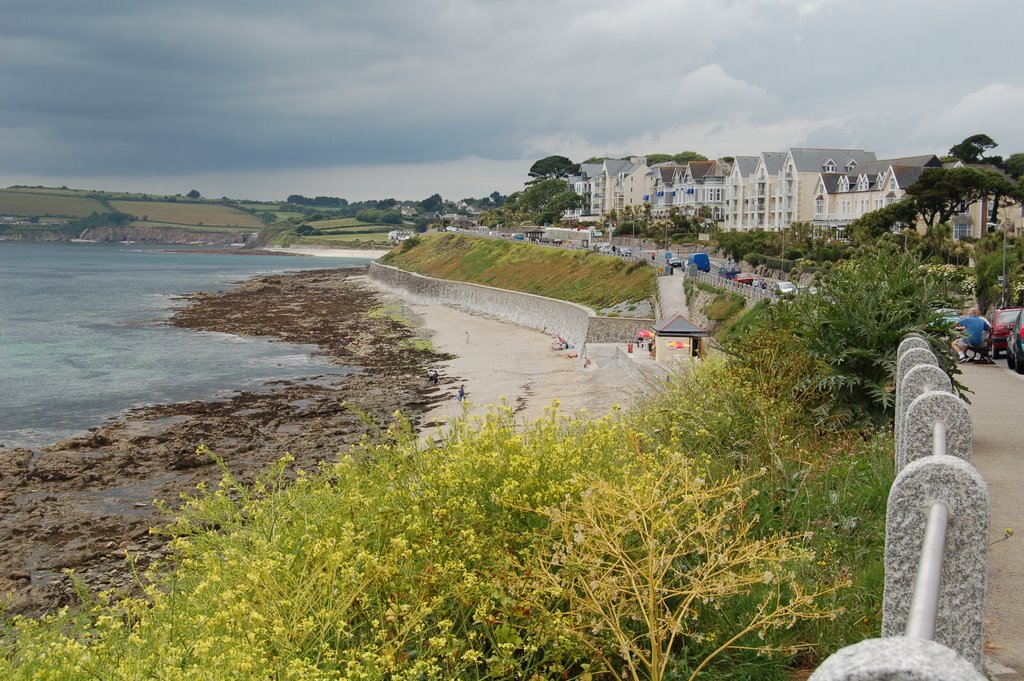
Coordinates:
[830,166]
[851,165]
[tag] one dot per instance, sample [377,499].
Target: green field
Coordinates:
[200,214]
[337,223]
[30,202]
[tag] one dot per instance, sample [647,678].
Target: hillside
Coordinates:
[60,214]
[597,281]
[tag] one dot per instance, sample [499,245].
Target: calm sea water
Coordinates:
[82,334]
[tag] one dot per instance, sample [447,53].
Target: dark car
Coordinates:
[1015,346]
[1002,321]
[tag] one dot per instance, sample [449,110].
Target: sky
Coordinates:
[259,99]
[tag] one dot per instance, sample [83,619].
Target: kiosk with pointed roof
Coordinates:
[677,338]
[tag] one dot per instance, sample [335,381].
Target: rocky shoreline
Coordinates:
[85,503]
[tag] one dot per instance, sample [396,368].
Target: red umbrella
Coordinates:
[645,334]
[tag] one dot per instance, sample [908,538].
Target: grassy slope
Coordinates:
[594,280]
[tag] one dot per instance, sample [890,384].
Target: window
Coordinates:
[819,206]
[961,230]
[830,166]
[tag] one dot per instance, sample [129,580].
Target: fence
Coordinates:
[936,540]
[753,295]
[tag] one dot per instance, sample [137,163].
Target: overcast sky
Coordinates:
[259,99]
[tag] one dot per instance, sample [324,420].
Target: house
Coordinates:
[798,181]
[700,189]
[612,185]
[842,197]
[736,185]
[583,184]
[762,192]
[661,180]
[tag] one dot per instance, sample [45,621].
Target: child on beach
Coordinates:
[461,395]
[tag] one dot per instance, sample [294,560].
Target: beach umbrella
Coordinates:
[645,334]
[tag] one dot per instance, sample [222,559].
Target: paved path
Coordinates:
[997,413]
[671,296]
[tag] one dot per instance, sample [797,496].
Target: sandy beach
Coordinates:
[327,252]
[503,363]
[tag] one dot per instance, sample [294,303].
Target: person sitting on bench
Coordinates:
[974,327]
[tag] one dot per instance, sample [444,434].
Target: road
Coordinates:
[997,414]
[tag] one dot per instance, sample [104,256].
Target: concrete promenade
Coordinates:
[997,413]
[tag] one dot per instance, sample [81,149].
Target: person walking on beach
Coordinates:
[461,395]
[467,337]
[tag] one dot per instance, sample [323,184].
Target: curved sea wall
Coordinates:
[575,323]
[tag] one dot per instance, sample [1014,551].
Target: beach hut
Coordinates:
[677,338]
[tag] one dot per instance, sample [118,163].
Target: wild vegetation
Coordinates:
[728,525]
[515,551]
[598,281]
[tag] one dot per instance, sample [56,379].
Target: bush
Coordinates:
[862,311]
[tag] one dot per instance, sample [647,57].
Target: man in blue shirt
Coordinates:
[974,327]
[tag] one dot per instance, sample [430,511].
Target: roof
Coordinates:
[907,175]
[746,164]
[615,166]
[925,161]
[678,326]
[831,182]
[773,161]
[698,169]
[808,160]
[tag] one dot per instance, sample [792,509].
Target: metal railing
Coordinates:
[936,539]
[751,293]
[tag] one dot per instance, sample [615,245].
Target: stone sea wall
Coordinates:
[575,323]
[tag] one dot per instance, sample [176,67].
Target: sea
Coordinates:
[83,334]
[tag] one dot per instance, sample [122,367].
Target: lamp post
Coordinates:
[1007,230]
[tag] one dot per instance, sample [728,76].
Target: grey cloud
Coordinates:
[171,88]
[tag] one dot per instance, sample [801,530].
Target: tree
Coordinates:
[552,167]
[545,200]
[685,157]
[432,204]
[1015,166]
[194,194]
[972,149]
[874,224]
[940,193]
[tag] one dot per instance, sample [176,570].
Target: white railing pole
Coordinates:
[939,439]
[924,606]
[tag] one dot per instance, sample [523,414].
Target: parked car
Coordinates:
[1015,346]
[626,252]
[1002,321]
[784,288]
